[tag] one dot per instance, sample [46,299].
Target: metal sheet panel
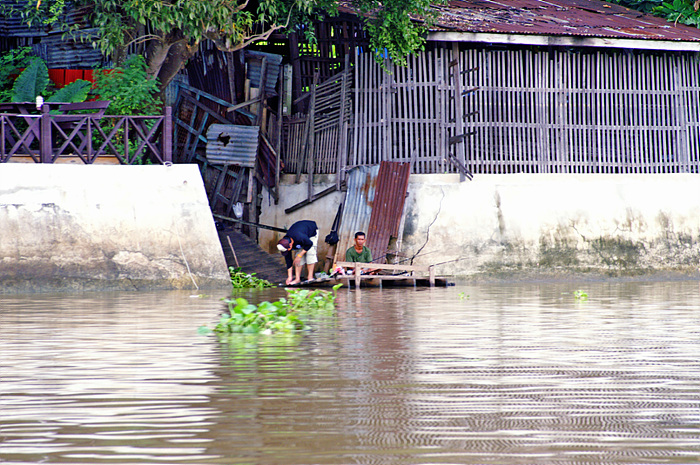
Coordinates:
[374,203]
[387,208]
[585,18]
[231,144]
[361,182]
[255,68]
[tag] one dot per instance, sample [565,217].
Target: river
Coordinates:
[475,373]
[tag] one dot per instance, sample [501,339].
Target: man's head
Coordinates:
[284,245]
[359,239]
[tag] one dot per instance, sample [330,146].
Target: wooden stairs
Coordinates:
[249,257]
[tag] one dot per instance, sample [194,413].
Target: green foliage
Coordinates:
[680,11]
[11,63]
[677,11]
[318,299]
[647,6]
[282,316]
[76,91]
[232,25]
[243,280]
[128,88]
[580,295]
[32,82]
[266,317]
[392,31]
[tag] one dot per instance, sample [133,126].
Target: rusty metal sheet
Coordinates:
[586,18]
[374,203]
[387,208]
[231,144]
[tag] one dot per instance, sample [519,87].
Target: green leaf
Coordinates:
[76,91]
[31,83]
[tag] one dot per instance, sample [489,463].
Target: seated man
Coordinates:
[301,240]
[359,253]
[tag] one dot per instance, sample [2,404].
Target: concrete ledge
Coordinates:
[102,227]
[536,226]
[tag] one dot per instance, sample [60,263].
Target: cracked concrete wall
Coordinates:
[538,225]
[85,227]
[556,225]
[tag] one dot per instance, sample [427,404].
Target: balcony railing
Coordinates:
[51,134]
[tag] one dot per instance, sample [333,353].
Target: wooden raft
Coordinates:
[358,277]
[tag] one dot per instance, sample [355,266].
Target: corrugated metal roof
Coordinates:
[565,18]
[232,144]
[584,18]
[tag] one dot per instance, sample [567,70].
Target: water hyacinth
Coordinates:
[283,316]
[243,280]
[266,317]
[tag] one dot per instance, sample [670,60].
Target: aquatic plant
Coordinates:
[580,295]
[266,317]
[242,280]
[282,316]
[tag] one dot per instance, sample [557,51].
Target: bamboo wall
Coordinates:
[537,111]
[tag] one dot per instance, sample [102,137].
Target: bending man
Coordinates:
[299,248]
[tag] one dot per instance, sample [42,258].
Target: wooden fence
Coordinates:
[528,110]
[52,136]
[317,141]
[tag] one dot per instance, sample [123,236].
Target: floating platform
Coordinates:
[370,275]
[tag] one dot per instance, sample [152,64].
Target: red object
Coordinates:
[63,77]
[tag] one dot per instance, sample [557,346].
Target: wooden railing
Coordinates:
[53,134]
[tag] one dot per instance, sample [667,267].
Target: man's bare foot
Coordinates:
[296,281]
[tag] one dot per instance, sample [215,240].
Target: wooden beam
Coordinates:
[249,223]
[313,198]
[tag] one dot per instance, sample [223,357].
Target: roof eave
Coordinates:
[564,41]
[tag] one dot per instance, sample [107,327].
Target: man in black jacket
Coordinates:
[299,248]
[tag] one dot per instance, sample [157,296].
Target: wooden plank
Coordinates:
[312,199]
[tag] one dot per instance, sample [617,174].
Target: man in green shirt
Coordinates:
[358,252]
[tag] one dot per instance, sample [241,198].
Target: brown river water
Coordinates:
[475,373]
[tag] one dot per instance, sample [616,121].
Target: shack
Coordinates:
[554,138]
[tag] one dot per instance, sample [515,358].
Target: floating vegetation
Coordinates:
[283,316]
[580,295]
[243,280]
[463,296]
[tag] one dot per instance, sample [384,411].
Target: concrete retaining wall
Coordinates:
[80,227]
[555,226]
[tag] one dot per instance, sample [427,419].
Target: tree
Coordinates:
[170,31]
[677,11]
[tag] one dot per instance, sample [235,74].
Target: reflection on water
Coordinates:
[470,374]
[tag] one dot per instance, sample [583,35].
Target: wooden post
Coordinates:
[296,68]
[45,142]
[342,127]
[168,135]
[431,275]
[278,138]
[358,274]
[231,76]
[305,137]
[459,108]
